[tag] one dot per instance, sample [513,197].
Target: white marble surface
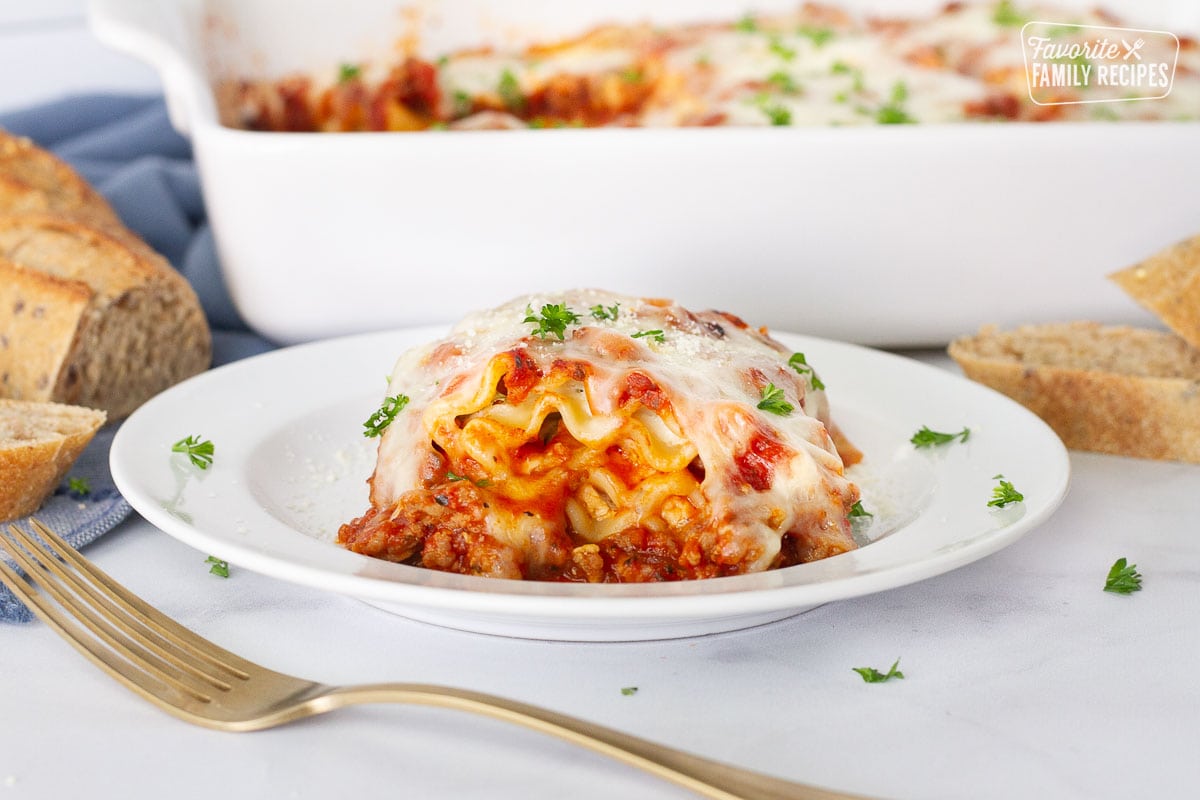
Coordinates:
[1023,679]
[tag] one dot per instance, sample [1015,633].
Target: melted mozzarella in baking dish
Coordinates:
[586,436]
[820,65]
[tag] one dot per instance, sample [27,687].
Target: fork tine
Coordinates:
[115,663]
[63,624]
[131,606]
[57,556]
[42,568]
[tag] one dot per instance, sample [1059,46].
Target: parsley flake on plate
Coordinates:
[217,566]
[857,510]
[199,451]
[1004,494]
[930,438]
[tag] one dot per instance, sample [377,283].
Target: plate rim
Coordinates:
[586,604]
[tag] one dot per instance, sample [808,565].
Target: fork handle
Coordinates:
[707,778]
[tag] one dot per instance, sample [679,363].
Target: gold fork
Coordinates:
[193,679]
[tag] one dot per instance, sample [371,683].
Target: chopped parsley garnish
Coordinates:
[199,451]
[602,312]
[747,24]
[893,113]
[799,363]
[552,320]
[629,691]
[463,103]
[454,477]
[348,72]
[842,68]
[929,438]
[819,36]
[872,675]
[377,423]
[632,75]
[857,510]
[656,334]
[783,82]
[218,567]
[780,117]
[773,401]
[510,92]
[1004,494]
[890,115]
[1123,578]
[780,49]
[1007,16]
[79,488]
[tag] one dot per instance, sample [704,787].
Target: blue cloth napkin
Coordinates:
[126,148]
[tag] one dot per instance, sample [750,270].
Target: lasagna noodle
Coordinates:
[606,449]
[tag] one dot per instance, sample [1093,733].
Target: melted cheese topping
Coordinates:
[629,441]
[819,65]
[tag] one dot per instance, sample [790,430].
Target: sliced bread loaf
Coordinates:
[139,330]
[1169,285]
[1115,390]
[38,444]
[33,180]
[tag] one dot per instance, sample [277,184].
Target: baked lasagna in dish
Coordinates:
[592,437]
[819,65]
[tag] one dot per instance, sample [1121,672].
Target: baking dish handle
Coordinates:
[157,32]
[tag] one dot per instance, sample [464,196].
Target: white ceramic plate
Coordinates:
[291,465]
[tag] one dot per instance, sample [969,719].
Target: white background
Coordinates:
[46,52]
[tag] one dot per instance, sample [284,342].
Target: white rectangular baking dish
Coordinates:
[891,235]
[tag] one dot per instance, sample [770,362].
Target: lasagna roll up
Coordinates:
[587,436]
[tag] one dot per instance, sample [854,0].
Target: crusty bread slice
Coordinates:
[1168,284]
[142,329]
[38,444]
[1115,390]
[33,180]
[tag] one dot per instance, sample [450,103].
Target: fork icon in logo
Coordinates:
[1132,49]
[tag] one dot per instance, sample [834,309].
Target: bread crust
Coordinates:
[1117,390]
[33,180]
[39,442]
[1168,284]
